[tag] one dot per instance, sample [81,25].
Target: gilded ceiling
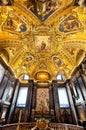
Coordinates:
[42,36]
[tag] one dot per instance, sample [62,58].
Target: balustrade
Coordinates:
[28,126]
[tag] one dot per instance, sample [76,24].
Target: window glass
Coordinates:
[26,77]
[63,98]
[2,71]
[61,77]
[22,96]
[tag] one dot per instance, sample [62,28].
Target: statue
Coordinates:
[41,6]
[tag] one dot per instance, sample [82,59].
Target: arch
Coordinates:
[24,77]
[61,76]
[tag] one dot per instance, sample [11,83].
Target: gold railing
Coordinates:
[28,126]
[60,126]
[23,126]
[31,125]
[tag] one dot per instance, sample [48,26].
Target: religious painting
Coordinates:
[57,62]
[42,101]
[43,43]
[14,22]
[70,24]
[6,2]
[27,62]
[43,8]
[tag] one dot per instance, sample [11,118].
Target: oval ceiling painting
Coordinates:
[42,75]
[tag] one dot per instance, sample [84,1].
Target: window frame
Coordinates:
[68,104]
[22,106]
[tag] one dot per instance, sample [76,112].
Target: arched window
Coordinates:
[61,77]
[24,78]
[21,102]
[63,97]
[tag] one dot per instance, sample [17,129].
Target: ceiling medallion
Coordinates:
[43,44]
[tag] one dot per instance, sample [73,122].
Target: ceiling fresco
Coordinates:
[47,36]
[44,8]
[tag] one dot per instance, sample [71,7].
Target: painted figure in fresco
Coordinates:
[9,23]
[43,45]
[45,6]
[41,6]
[6,2]
[57,61]
[69,24]
[80,3]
